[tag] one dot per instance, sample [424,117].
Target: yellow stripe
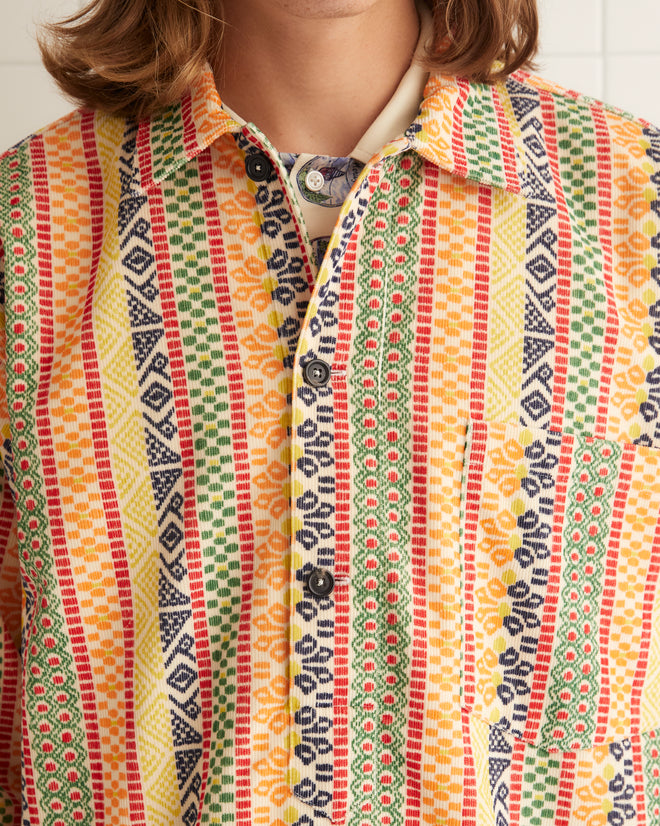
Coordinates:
[136,504]
[507,309]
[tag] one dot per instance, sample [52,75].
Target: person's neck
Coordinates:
[314,85]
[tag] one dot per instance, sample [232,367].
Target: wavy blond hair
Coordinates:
[135,57]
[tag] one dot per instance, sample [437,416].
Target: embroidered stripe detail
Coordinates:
[470,785]
[474,463]
[637,781]
[83,749]
[191,722]
[106,483]
[506,144]
[564,268]
[647,775]
[611,332]
[651,584]
[242,473]
[344,496]
[481,287]
[567,780]
[458,135]
[516,783]
[420,436]
[189,127]
[547,639]
[608,656]
[10,677]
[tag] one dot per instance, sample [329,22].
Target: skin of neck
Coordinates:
[313,75]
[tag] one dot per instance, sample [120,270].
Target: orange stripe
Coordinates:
[70,580]
[242,474]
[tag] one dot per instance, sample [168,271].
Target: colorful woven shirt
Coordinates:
[377,545]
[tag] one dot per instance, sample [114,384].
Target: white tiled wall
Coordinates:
[607,48]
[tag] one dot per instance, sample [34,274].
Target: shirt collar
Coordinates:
[461,127]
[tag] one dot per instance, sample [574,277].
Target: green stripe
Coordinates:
[482,146]
[577,167]
[540,786]
[590,499]
[46,632]
[387,699]
[208,391]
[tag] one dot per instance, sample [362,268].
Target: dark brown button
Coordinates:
[258,167]
[321,582]
[316,373]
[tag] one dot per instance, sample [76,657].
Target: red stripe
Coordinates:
[472,498]
[547,642]
[65,578]
[190,141]
[184,424]
[143,150]
[28,769]
[604,169]
[457,136]
[515,783]
[346,308]
[566,788]
[609,588]
[104,469]
[10,684]
[237,414]
[469,806]
[342,535]
[480,312]
[642,781]
[506,144]
[564,267]
[424,289]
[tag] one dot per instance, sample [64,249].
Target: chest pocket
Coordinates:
[560,537]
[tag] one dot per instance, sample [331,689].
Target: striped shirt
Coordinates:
[373,544]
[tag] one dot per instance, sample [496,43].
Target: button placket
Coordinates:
[286,263]
[320,558]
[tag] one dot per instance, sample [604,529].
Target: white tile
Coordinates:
[632,84]
[582,74]
[28,101]
[571,27]
[632,26]
[19,25]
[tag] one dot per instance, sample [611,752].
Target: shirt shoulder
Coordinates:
[75,136]
[565,98]
[580,137]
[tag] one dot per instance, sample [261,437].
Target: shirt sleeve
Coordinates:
[10,610]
